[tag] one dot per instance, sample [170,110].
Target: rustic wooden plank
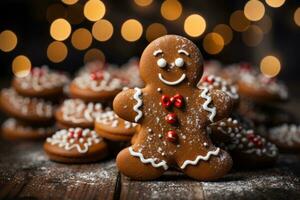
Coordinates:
[26,172]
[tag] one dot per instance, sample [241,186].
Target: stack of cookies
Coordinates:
[30,103]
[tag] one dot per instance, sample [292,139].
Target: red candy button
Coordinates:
[171,118]
[172,136]
[177,100]
[165,101]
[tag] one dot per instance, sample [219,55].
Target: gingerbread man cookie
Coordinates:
[173,114]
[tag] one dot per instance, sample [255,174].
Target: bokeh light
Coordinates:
[171,9]
[270,66]
[143,3]
[254,10]
[21,66]
[69,2]
[213,43]
[8,40]
[75,14]
[131,30]
[194,25]
[275,3]
[60,29]
[55,11]
[94,10]
[265,24]
[102,30]
[225,31]
[297,16]
[81,39]
[238,21]
[57,51]
[94,55]
[154,31]
[252,36]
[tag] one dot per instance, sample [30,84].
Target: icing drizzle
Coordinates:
[148,160]
[198,158]
[136,107]
[208,99]
[110,117]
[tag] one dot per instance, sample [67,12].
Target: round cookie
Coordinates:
[41,82]
[77,113]
[173,114]
[212,67]
[286,137]
[111,127]
[246,148]
[31,110]
[90,67]
[16,130]
[96,86]
[75,145]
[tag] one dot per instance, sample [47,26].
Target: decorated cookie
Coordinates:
[96,86]
[216,82]
[90,67]
[173,114]
[246,148]
[286,137]
[13,129]
[77,113]
[130,71]
[212,67]
[41,82]
[31,110]
[109,126]
[75,145]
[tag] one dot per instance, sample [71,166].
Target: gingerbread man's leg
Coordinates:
[215,164]
[133,164]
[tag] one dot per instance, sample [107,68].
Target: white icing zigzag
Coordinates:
[207,102]
[136,107]
[205,158]
[148,160]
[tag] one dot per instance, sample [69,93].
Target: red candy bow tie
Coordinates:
[177,100]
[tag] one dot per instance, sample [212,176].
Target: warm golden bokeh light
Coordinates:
[21,66]
[75,14]
[8,40]
[94,55]
[154,31]
[297,16]
[69,2]
[60,29]
[57,51]
[143,2]
[213,43]
[102,30]
[194,25]
[270,66]
[265,24]
[225,31]
[171,9]
[55,11]
[253,36]
[238,21]
[94,10]
[81,39]
[131,30]
[275,3]
[254,10]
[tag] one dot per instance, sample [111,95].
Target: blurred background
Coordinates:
[64,34]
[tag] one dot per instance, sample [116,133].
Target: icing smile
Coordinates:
[171,82]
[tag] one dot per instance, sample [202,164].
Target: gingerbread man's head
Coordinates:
[172,61]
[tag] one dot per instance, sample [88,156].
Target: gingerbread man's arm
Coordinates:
[223,104]
[128,104]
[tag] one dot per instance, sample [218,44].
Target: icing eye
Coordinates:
[179,62]
[161,62]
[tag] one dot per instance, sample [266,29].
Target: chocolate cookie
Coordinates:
[77,113]
[16,130]
[41,82]
[75,145]
[32,110]
[109,126]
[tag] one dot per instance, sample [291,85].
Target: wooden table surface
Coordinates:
[26,173]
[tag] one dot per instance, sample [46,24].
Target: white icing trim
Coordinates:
[155,53]
[162,163]
[183,76]
[205,158]
[183,51]
[207,102]
[136,107]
